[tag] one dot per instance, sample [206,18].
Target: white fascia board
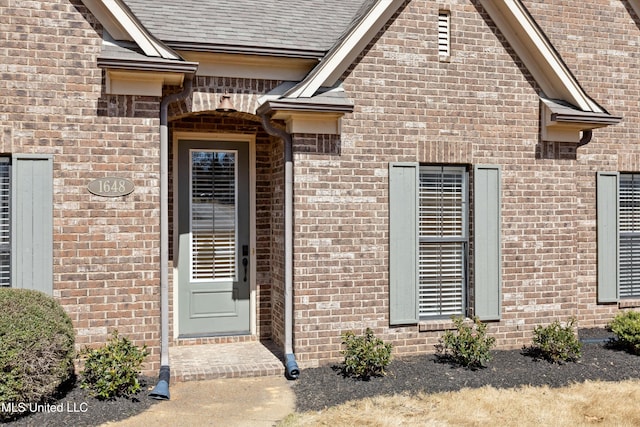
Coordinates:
[534,49]
[124,23]
[342,55]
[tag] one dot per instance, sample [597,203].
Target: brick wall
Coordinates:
[480,106]
[105,249]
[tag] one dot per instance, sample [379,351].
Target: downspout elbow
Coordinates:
[291,371]
[586,137]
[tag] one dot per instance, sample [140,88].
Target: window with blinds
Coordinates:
[629,197]
[444,34]
[443,234]
[213,215]
[5,222]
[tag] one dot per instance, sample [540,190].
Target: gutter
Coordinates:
[161,390]
[292,371]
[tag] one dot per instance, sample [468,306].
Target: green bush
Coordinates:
[468,345]
[112,370]
[365,356]
[36,347]
[626,327]
[557,343]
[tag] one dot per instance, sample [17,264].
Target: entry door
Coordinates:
[213,222]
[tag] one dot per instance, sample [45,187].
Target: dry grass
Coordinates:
[590,403]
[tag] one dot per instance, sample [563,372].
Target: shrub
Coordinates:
[626,327]
[557,343]
[468,345]
[112,370]
[36,347]
[365,356]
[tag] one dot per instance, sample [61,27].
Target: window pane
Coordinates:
[443,240]
[441,278]
[629,235]
[5,222]
[213,215]
[442,203]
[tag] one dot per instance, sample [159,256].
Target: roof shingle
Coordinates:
[299,25]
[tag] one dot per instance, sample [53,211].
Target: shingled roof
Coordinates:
[294,27]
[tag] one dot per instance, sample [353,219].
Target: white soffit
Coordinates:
[341,56]
[121,24]
[539,56]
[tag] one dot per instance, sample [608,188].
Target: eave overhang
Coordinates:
[567,108]
[320,114]
[130,72]
[247,50]
[563,122]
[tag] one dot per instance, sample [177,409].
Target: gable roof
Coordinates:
[303,28]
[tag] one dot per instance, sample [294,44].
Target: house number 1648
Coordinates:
[111,187]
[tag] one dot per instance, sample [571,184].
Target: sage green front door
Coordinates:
[213,224]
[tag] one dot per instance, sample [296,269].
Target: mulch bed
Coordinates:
[323,387]
[77,408]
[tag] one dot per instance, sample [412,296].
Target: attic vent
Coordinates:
[444,34]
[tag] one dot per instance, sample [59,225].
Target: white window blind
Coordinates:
[629,196]
[443,240]
[213,215]
[444,34]
[5,222]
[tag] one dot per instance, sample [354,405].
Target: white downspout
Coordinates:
[291,366]
[161,390]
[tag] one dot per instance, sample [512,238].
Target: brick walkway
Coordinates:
[232,360]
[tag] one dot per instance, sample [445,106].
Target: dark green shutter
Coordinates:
[32,222]
[487,242]
[403,243]
[608,251]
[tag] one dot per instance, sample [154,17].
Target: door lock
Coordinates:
[245,262]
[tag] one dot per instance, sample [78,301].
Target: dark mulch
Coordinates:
[76,407]
[323,387]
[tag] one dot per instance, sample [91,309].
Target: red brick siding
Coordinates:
[479,107]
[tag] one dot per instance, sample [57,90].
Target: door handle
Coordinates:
[245,262]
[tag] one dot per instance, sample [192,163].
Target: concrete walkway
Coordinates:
[258,401]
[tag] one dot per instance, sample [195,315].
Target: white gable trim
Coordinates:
[635,5]
[346,51]
[121,24]
[534,49]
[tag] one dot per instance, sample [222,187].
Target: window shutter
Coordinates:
[403,243]
[32,222]
[444,34]
[487,244]
[608,218]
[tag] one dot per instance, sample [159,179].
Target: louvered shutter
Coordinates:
[32,222]
[444,34]
[403,243]
[629,232]
[213,215]
[443,240]
[487,242]
[5,221]
[607,223]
